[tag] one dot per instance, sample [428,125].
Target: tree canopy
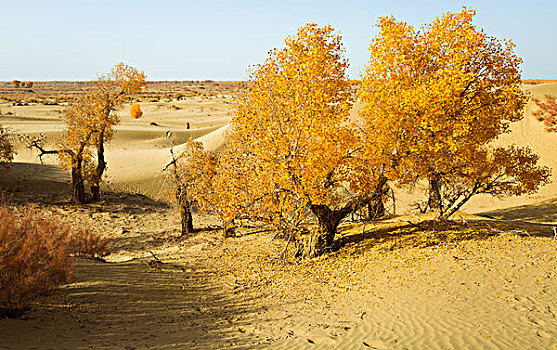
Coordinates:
[435,100]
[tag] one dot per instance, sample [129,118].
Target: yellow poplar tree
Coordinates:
[291,142]
[90,123]
[435,99]
[75,150]
[135,111]
[110,91]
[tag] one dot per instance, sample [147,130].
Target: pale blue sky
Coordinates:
[185,40]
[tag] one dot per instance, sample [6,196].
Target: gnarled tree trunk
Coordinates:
[185,210]
[376,205]
[229,229]
[322,236]
[99,170]
[78,188]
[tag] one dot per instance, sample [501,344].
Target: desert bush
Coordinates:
[35,254]
[135,111]
[547,114]
[86,243]
[6,147]
[16,83]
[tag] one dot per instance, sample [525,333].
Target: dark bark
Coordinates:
[99,170]
[434,200]
[185,211]
[78,188]
[229,229]
[322,236]
[376,205]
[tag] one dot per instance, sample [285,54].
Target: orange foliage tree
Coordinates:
[135,111]
[110,91]
[16,83]
[89,124]
[547,112]
[291,145]
[435,99]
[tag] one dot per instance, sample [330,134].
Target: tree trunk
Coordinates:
[375,208]
[229,229]
[376,205]
[322,236]
[78,188]
[99,170]
[185,211]
[434,201]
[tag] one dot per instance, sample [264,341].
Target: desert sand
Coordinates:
[490,283]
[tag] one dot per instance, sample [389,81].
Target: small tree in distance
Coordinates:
[110,91]
[90,123]
[135,111]
[6,148]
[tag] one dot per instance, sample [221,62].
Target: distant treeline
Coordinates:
[538,81]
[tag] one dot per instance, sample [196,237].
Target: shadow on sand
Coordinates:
[30,183]
[134,306]
[544,212]
[395,235]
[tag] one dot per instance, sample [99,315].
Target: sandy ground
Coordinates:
[489,283]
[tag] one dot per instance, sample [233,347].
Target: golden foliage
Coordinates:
[135,111]
[291,138]
[194,170]
[90,123]
[435,99]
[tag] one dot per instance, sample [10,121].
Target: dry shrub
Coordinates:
[35,254]
[6,148]
[89,244]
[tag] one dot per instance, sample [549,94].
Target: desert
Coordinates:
[493,288]
[411,277]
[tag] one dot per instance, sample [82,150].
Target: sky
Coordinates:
[220,39]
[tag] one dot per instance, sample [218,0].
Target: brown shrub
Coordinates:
[6,148]
[89,244]
[35,254]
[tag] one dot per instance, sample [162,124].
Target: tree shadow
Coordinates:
[30,183]
[397,235]
[134,306]
[544,212]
